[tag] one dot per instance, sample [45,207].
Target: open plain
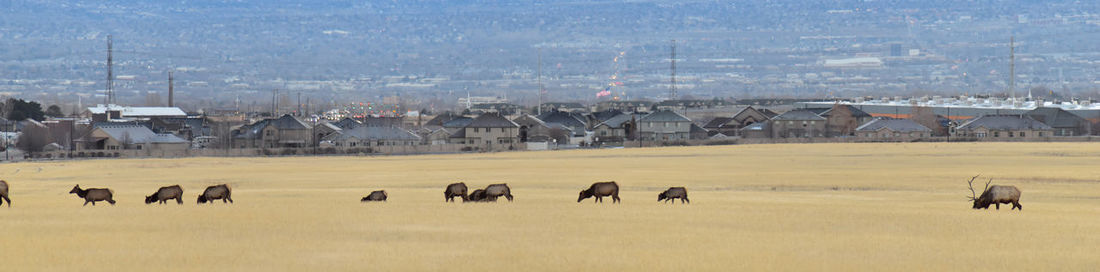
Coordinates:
[883,207]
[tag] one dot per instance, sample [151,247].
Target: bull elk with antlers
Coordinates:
[995,195]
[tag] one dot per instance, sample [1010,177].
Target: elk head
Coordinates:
[974,195]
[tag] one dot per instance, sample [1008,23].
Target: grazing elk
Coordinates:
[4,193]
[672,194]
[476,196]
[498,190]
[165,193]
[600,190]
[94,195]
[379,195]
[453,190]
[216,192]
[995,195]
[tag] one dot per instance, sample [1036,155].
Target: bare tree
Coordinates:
[926,117]
[841,122]
[33,138]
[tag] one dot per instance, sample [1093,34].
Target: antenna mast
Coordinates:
[672,86]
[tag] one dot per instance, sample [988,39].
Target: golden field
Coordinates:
[880,207]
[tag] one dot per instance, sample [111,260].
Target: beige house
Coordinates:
[664,125]
[797,124]
[731,126]
[1003,127]
[131,137]
[489,131]
[893,130]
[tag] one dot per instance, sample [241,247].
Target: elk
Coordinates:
[4,193]
[672,194]
[995,195]
[600,190]
[498,190]
[165,193]
[93,195]
[379,195]
[477,196]
[220,191]
[453,190]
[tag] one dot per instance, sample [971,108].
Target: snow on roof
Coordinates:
[139,111]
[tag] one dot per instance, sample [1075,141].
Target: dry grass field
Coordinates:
[882,207]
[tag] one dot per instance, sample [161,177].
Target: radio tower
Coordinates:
[110,73]
[672,87]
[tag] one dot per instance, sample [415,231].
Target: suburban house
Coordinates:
[531,129]
[366,136]
[1063,122]
[489,131]
[563,106]
[625,106]
[843,120]
[346,123]
[113,137]
[664,125]
[616,129]
[1003,127]
[888,129]
[572,122]
[757,130]
[731,126]
[285,132]
[797,124]
[595,118]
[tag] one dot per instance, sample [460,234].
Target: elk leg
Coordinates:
[686,200]
[998,205]
[615,198]
[179,200]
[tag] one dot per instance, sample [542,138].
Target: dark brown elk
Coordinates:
[94,195]
[216,192]
[497,190]
[476,196]
[379,195]
[673,193]
[995,195]
[4,193]
[453,190]
[600,190]
[166,193]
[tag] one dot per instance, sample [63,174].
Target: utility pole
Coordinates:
[171,92]
[1012,68]
[299,111]
[672,87]
[110,72]
[538,107]
[274,103]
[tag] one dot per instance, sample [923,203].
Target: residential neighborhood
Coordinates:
[124,131]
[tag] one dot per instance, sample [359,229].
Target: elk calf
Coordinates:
[165,193]
[673,193]
[94,195]
[995,195]
[379,195]
[216,192]
[476,196]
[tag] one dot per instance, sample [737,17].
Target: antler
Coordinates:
[987,185]
[973,195]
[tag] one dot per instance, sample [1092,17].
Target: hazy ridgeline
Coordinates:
[759,207]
